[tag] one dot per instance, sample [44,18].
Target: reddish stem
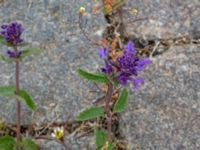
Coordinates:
[18,105]
[108,111]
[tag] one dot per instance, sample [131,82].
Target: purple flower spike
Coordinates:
[130,47]
[12,54]
[123,79]
[137,82]
[103,53]
[107,69]
[126,67]
[12,33]
[4,26]
[141,64]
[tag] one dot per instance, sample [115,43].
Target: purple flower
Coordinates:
[103,53]
[126,67]
[130,47]
[123,78]
[137,82]
[12,33]
[13,54]
[140,65]
[129,65]
[108,68]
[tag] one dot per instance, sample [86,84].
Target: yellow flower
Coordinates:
[58,133]
[81,11]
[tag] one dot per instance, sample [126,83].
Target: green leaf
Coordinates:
[7,143]
[121,102]
[7,91]
[23,95]
[101,78]
[7,59]
[1,38]
[2,57]
[30,51]
[28,144]
[110,146]
[26,98]
[3,42]
[90,113]
[100,137]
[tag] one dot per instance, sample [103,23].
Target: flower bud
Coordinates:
[81,11]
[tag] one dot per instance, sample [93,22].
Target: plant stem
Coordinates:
[18,105]
[108,111]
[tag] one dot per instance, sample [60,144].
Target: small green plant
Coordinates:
[117,73]
[11,37]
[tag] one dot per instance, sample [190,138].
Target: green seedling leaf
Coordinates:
[28,144]
[26,98]
[30,51]
[2,57]
[100,138]
[1,39]
[121,102]
[7,91]
[101,78]
[7,143]
[23,95]
[90,113]
[3,42]
[6,59]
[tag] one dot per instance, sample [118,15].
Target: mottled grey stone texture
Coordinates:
[51,77]
[72,142]
[165,18]
[84,143]
[163,115]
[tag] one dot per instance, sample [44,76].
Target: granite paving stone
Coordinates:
[164,18]
[165,114]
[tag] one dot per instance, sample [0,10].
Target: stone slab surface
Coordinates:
[51,77]
[84,143]
[165,114]
[165,18]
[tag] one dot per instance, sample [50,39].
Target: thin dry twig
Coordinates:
[85,33]
[155,48]
[48,125]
